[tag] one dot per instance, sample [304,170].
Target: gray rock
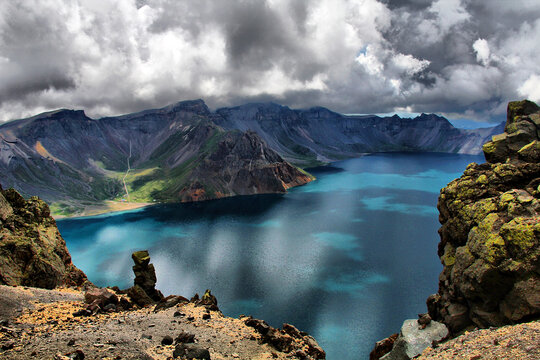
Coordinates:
[412,340]
[191,351]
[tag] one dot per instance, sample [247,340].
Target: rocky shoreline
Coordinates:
[137,323]
[489,248]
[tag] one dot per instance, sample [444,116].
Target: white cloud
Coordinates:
[481,47]
[531,88]
[351,55]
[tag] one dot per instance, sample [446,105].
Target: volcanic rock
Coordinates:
[490,234]
[287,340]
[191,351]
[32,251]
[144,290]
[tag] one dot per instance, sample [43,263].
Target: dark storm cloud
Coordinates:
[411,4]
[461,57]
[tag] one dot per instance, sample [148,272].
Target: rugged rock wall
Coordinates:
[32,251]
[490,232]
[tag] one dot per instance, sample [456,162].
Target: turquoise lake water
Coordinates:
[346,258]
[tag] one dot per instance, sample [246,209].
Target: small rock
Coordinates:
[206,316]
[191,351]
[71,342]
[423,320]
[146,336]
[82,312]
[110,308]
[235,355]
[76,355]
[191,318]
[178,313]
[169,302]
[99,345]
[167,340]
[185,338]
[8,345]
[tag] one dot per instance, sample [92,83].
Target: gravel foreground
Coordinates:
[39,324]
[508,342]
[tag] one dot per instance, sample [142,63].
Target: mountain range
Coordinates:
[185,152]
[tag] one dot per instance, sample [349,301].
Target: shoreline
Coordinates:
[108,207]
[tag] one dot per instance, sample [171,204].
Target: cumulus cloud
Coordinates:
[459,57]
[481,47]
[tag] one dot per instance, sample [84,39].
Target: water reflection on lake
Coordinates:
[346,258]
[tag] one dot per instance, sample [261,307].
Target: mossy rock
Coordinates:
[141,258]
[519,108]
[485,242]
[530,152]
[521,236]
[495,151]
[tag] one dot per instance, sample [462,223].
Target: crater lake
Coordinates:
[346,258]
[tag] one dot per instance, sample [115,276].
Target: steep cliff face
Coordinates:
[32,251]
[242,164]
[490,234]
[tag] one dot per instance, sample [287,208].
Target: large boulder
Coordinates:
[32,251]
[414,338]
[490,233]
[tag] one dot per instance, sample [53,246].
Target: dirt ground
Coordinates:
[39,324]
[508,342]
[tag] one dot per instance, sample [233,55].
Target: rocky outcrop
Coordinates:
[144,292]
[490,234]
[32,251]
[241,164]
[288,340]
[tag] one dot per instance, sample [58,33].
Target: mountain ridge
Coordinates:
[68,158]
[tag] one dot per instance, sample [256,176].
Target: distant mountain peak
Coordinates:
[198,106]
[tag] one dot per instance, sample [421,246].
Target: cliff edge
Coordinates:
[32,251]
[489,248]
[490,232]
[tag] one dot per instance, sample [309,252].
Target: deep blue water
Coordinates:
[346,258]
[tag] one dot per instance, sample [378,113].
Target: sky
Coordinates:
[464,59]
